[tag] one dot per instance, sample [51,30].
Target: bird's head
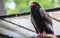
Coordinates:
[35,5]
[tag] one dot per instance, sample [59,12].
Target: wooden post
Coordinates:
[2,9]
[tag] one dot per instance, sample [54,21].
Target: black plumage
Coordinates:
[40,19]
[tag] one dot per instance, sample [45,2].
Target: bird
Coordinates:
[40,19]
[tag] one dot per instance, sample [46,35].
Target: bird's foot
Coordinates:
[40,35]
[43,34]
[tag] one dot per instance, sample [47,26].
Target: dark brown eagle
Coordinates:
[40,19]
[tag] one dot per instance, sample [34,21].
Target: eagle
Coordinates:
[40,19]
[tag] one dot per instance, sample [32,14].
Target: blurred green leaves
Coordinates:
[46,4]
[5,1]
[23,5]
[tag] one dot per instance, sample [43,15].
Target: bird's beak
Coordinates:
[31,3]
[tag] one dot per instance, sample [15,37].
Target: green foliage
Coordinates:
[23,5]
[46,4]
[5,1]
[59,2]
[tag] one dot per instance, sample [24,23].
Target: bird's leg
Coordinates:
[38,35]
[43,34]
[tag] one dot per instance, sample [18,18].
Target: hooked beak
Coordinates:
[31,3]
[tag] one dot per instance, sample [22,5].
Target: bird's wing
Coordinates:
[45,16]
[34,23]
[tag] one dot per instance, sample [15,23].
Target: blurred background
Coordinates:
[19,6]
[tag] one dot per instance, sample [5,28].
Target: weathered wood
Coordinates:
[2,9]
